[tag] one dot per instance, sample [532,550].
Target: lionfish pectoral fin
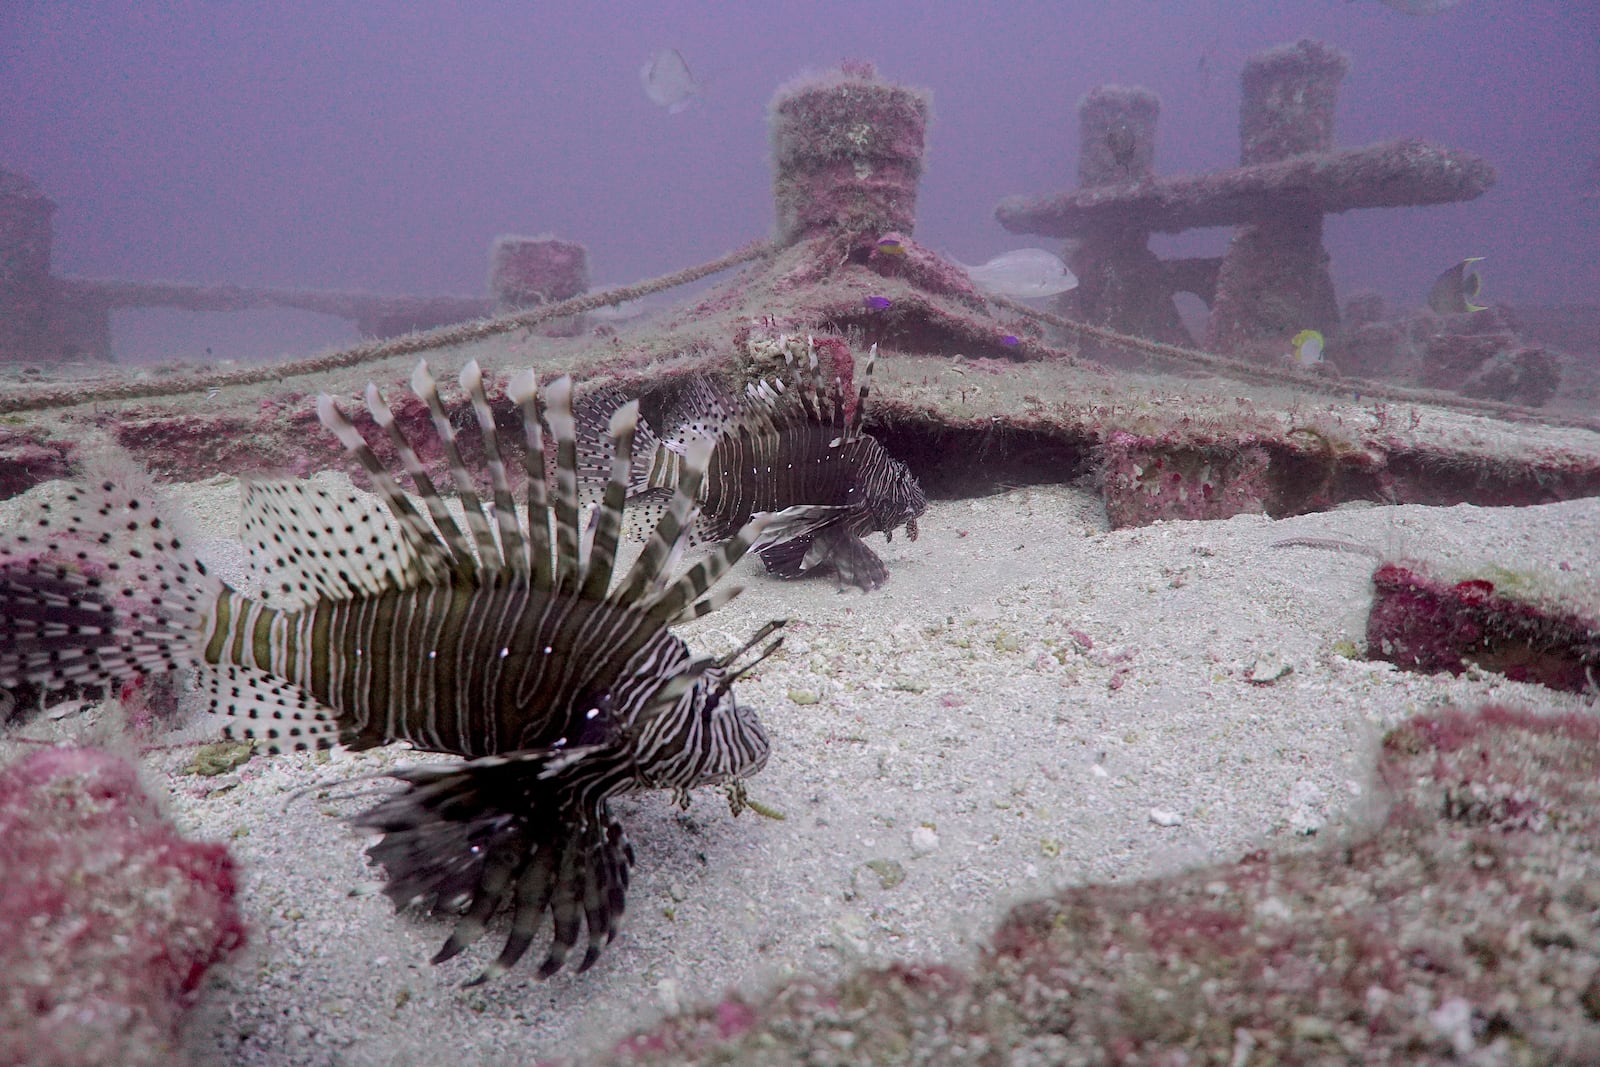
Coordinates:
[276,715]
[471,836]
[307,544]
[798,521]
[97,586]
[855,564]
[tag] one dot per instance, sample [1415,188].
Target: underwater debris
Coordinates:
[505,644]
[796,452]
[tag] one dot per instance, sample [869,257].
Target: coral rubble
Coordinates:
[1464,929]
[108,918]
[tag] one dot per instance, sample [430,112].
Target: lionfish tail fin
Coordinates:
[97,588]
[470,837]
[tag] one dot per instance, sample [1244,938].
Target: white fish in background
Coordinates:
[667,81]
[1026,274]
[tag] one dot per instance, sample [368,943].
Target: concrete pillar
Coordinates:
[847,151]
[27,292]
[1274,279]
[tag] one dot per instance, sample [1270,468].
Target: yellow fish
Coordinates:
[1307,348]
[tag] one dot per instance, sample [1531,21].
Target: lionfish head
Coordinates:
[741,747]
[896,500]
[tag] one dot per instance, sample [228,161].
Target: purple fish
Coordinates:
[1008,339]
[878,303]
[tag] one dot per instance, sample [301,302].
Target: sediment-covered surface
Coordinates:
[1034,702]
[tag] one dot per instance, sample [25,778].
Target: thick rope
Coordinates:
[370,351]
[1245,370]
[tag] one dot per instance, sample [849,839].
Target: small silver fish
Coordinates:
[667,81]
[1026,274]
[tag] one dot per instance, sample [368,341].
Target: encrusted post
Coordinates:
[27,292]
[1121,282]
[847,154]
[526,272]
[1274,279]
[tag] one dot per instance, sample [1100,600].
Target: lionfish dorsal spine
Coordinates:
[512,547]
[448,533]
[432,557]
[859,415]
[665,542]
[558,411]
[608,519]
[523,389]
[678,601]
[423,385]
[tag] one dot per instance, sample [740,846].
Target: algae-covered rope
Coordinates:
[1266,374]
[370,351]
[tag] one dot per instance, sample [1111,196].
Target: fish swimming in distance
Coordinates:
[667,81]
[1456,290]
[791,451]
[506,644]
[1025,274]
[1307,348]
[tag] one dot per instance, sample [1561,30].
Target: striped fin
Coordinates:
[666,541]
[523,389]
[308,544]
[858,415]
[694,583]
[608,520]
[98,588]
[449,534]
[512,546]
[423,385]
[558,411]
[277,715]
[468,835]
[592,413]
[808,391]
[433,557]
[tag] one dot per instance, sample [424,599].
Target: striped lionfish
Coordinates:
[511,649]
[791,452]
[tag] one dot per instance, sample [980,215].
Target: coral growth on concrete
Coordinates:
[529,272]
[108,919]
[1464,929]
[1273,280]
[847,153]
[1146,480]
[1424,623]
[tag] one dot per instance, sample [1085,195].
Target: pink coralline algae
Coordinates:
[1145,480]
[1463,929]
[108,919]
[1423,623]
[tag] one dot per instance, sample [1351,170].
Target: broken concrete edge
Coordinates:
[1467,917]
[1150,466]
[1512,623]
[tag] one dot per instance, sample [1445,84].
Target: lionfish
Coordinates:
[794,453]
[511,649]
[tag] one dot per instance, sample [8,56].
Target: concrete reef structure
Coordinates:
[529,272]
[1273,279]
[109,919]
[847,153]
[27,297]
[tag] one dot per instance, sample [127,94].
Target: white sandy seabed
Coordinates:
[1032,701]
